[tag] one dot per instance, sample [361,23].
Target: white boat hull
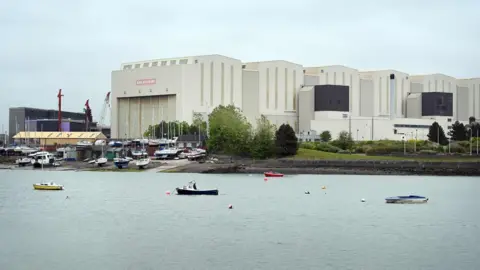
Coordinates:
[142,163]
[101,161]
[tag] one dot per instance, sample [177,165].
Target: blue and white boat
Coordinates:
[406,199]
[121,162]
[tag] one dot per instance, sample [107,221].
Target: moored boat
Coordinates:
[121,163]
[101,161]
[43,158]
[47,186]
[272,174]
[191,189]
[406,199]
[23,161]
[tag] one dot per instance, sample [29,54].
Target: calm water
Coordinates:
[125,221]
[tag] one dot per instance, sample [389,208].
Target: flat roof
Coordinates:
[59,135]
[31,108]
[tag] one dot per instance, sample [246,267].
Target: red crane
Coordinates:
[59,96]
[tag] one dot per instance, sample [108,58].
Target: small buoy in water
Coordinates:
[67,197]
[307,192]
[230,206]
[323,187]
[167,192]
[265,179]
[363,200]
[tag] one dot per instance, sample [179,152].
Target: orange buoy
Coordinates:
[230,206]
[167,192]
[265,179]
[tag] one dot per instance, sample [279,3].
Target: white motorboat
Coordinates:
[100,142]
[140,141]
[143,162]
[24,161]
[139,153]
[84,143]
[25,150]
[168,153]
[43,158]
[101,161]
[407,199]
[154,142]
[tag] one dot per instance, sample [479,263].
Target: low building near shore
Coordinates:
[57,138]
[194,141]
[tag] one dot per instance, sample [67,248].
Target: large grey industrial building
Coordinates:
[384,104]
[34,119]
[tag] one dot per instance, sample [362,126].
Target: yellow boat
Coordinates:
[47,186]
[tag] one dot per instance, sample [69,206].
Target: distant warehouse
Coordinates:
[371,105]
[38,120]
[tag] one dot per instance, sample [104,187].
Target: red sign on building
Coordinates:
[146,81]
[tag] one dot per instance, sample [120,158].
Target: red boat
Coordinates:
[272,174]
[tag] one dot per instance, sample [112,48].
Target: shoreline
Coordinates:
[335,167]
[285,166]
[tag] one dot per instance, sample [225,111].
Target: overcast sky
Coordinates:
[74,45]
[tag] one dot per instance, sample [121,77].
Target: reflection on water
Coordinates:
[126,221]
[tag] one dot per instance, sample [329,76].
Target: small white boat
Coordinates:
[84,143]
[101,161]
[154,142]
[143,162]
[100,142]
[411,199]
[137,153]
[23,161]
[25,149]
[43,158]
[168,153]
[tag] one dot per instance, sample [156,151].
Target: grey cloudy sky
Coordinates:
[74,45]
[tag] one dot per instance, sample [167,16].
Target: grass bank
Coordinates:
[314,154]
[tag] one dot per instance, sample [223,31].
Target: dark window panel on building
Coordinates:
[437,104]
[331,98]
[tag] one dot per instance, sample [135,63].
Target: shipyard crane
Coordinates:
[106,106]
[59,96]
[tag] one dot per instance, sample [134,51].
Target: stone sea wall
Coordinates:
[364,167]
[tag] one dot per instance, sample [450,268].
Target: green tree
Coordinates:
[199,124]
[230,132]
[436,134]
[184,128]
[471,120]
[325,136]
[344,141]
[458,132]
[473,130]
[286,142]
[263,142]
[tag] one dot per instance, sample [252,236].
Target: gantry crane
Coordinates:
[106,106]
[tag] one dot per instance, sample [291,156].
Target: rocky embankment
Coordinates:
[361,167]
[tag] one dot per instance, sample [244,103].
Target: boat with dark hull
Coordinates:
[191,189]
[411,199]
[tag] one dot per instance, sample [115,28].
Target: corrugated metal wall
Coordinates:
[137,113]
